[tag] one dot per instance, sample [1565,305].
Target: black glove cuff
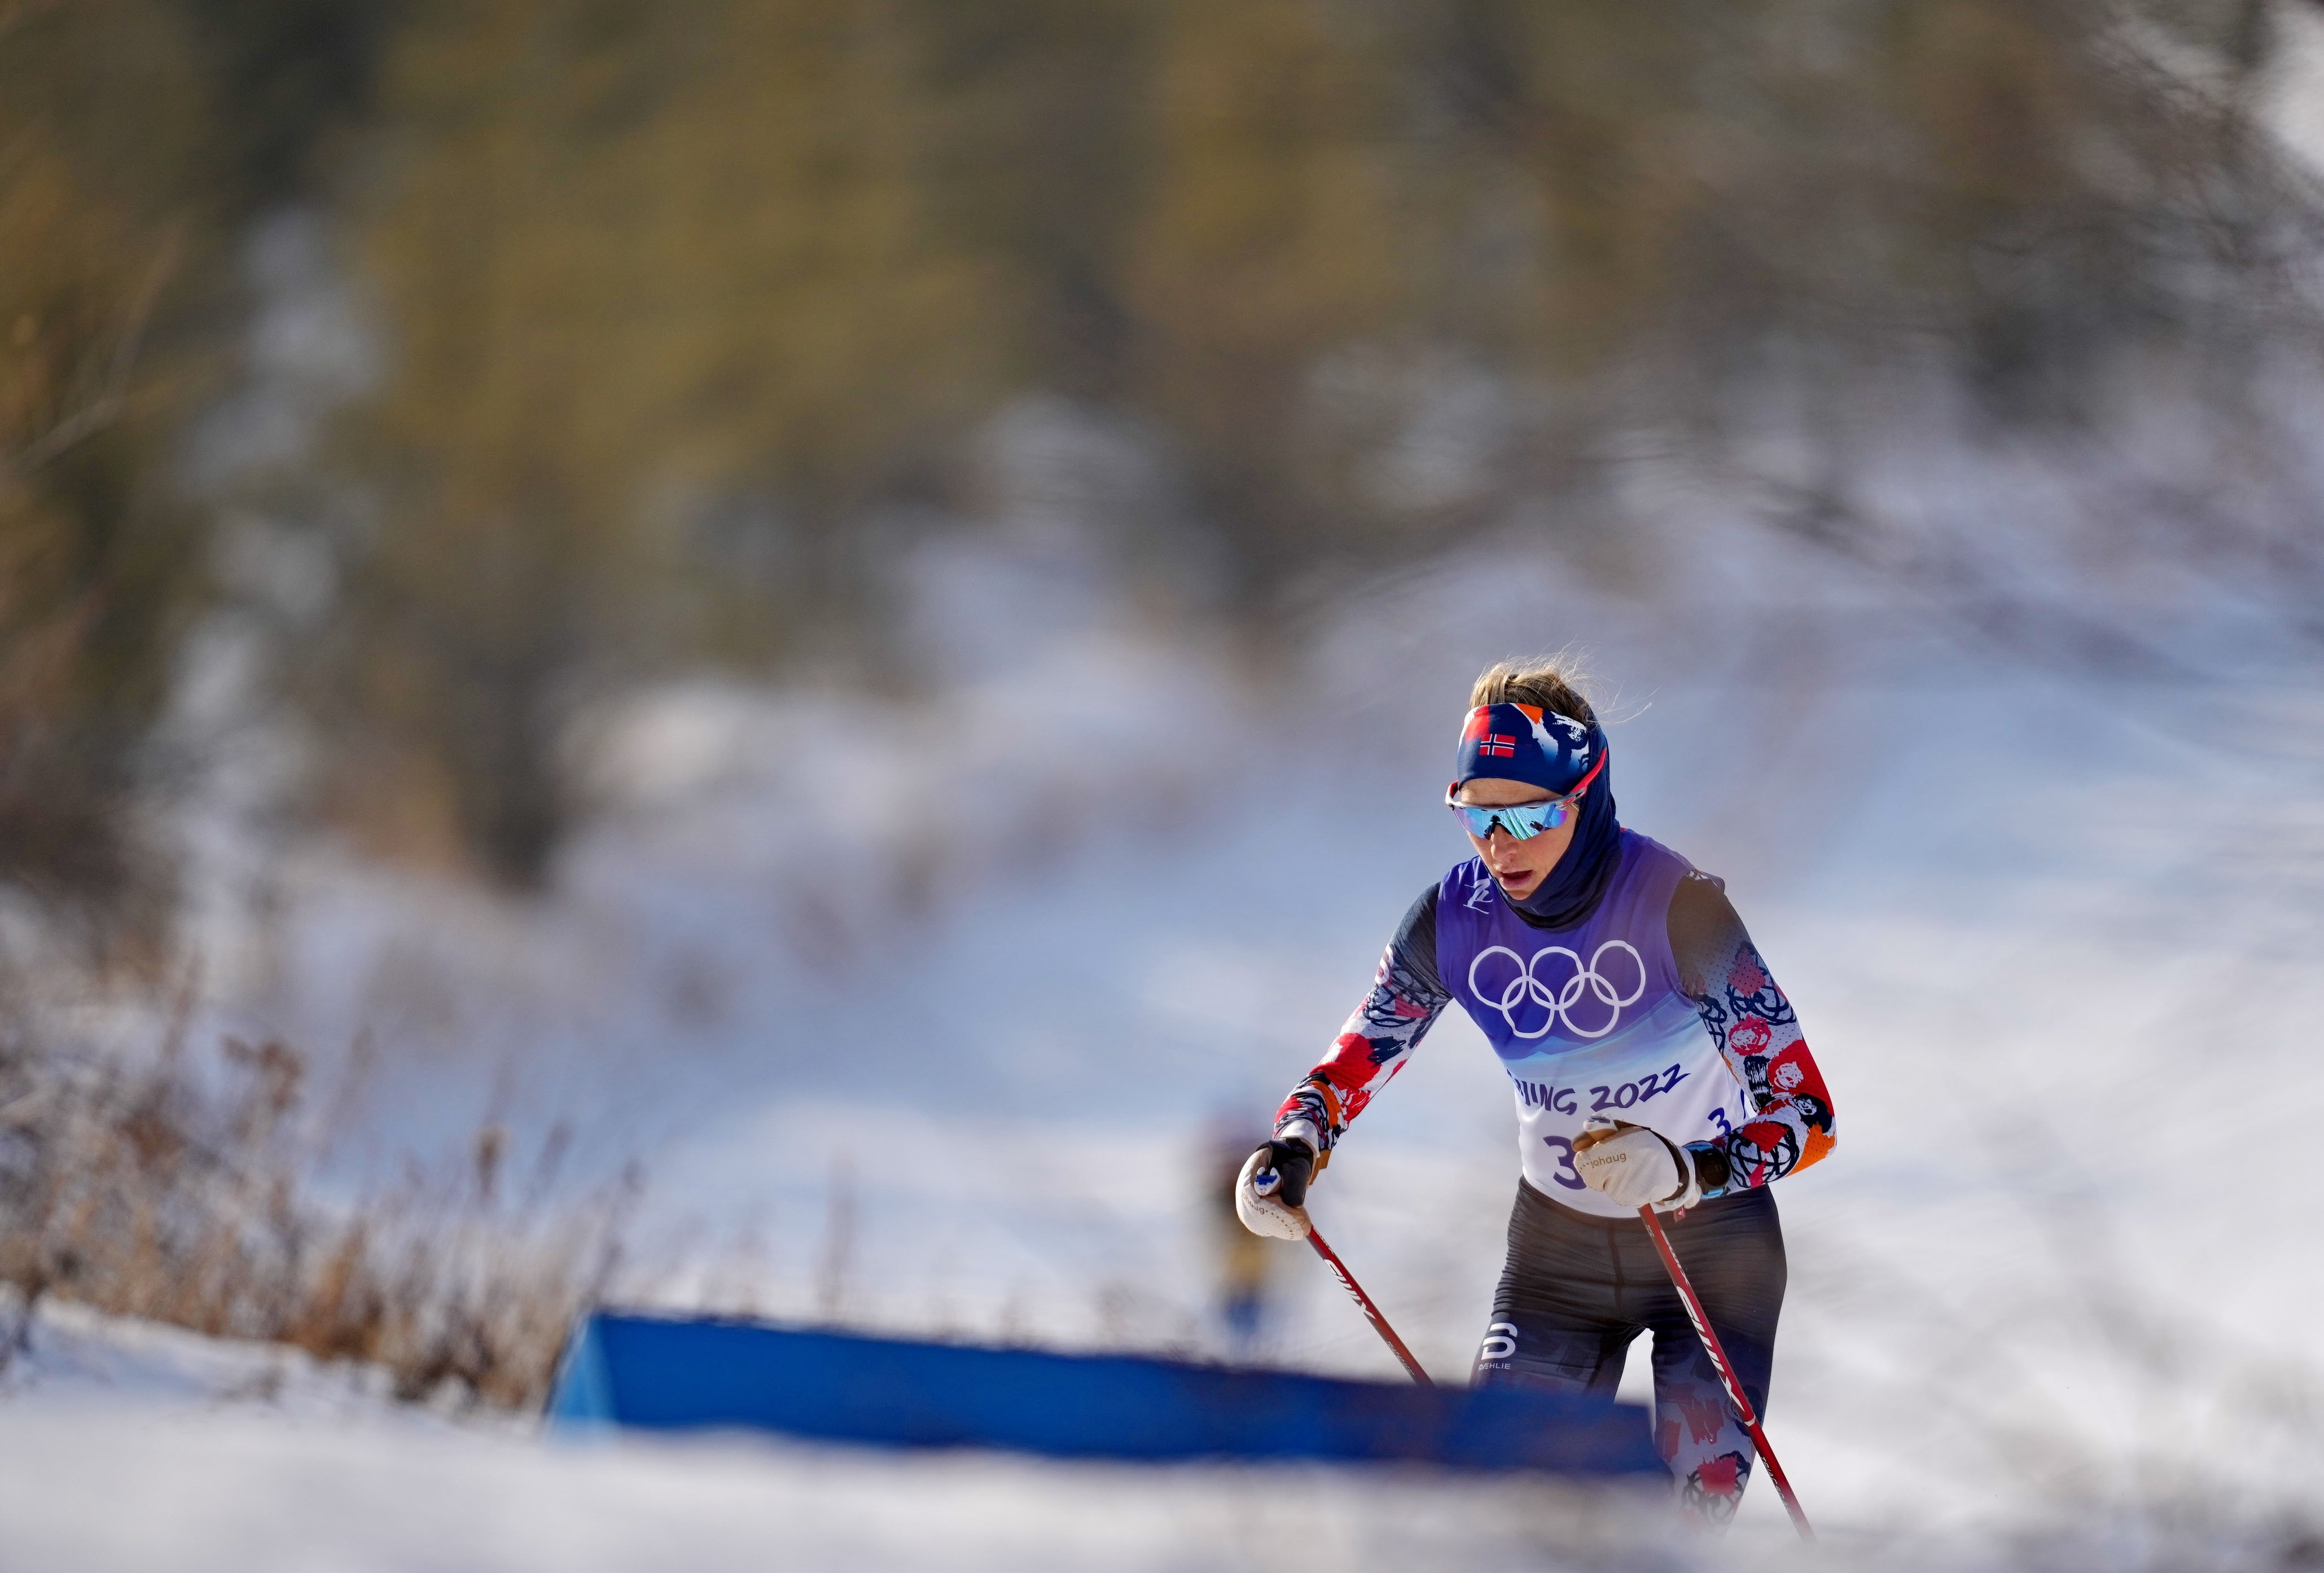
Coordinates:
[1294,1162]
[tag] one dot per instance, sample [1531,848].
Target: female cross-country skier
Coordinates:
[1614,982]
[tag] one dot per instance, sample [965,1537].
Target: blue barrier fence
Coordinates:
[690,1373]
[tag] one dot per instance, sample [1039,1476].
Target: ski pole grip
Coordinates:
[1286,1173]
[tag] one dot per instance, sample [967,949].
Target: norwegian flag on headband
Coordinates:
[1523,742]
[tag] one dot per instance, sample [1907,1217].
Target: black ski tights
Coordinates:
[1578,1289]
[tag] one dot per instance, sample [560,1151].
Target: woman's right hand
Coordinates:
[1271,1191]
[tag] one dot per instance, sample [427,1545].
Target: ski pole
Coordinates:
[1364,1302]
[1734,1385]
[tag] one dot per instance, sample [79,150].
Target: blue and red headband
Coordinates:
[1523,742]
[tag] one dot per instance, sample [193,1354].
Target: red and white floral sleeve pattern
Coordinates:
[1758,1035]
[1402,1004]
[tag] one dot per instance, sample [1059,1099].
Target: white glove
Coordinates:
[1635,1167]
[1272,1188]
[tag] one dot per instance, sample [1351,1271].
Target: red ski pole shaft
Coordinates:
[1364,1302]
[1734,1385]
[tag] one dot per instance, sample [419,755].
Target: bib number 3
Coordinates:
[1567,1175]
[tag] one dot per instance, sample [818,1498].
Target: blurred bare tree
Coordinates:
[103,183]
[637,266]
[136,136]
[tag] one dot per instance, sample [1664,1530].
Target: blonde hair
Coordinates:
[1547,682]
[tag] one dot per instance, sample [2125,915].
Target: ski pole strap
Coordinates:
[1364,1303]
[1727,1377]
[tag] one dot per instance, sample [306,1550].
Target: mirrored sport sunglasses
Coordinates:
[1523,821]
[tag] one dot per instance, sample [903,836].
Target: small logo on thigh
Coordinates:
[1500,1343]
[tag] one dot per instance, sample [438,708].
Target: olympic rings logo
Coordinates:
[1526,988]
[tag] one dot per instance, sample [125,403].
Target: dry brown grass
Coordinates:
[180,1191]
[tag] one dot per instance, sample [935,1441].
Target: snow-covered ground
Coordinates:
[130,1446]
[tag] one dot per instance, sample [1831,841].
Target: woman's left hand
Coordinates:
[1633,1167]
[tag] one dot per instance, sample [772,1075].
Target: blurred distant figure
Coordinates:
[1244,1258]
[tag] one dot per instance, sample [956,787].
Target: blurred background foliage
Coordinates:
[110,188]
[685,319]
